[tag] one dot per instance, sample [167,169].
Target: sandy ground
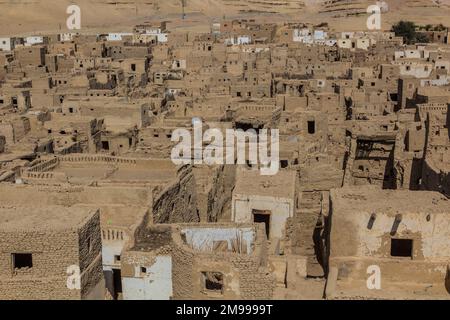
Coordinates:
[24,17]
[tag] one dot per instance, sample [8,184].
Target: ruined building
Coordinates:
[95,203]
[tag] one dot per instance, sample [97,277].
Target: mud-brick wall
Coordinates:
[182,279]
[253,281]
[221,192]
[37,289]
[177,202]
[52,253]
[90,261]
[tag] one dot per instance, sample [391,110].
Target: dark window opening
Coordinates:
[70,110]
[401,247]
[143,270]
[105,145]
[284,164]
[133,67]
[22,260]
[311,127]
[117,258]
[262,216]
[89,244]
[213,281]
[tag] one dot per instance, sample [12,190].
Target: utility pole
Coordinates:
[183,4]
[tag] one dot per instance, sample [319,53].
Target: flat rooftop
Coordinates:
[85,168]
[364,198]
[49,218]
[251,182]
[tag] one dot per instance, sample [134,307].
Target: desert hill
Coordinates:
[31,16]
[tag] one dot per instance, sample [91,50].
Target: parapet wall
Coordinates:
[30,195]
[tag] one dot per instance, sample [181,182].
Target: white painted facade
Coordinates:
[442,81]
[435,233]
[281,209]
[154,284]
[416,69]
[117,36]
[238,40]
[65,37]
[160,36]
[29,41]
[6,44]
[344,43]
[309,37]
[179,64]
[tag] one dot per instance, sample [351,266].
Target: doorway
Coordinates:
[262,216]
[117,281]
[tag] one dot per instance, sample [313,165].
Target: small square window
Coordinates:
[213,282]
[22,260]
[402,248]
[117,258]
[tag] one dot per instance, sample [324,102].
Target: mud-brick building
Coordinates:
[270,200]
[388,244]
[41,249]
[197,261]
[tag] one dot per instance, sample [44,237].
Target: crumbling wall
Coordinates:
[245,276]
[217,199]
[7,131]
[177,202]
[90,258]
[435,180]
[221,192]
